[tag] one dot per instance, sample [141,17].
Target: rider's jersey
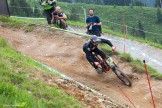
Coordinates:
[88,47]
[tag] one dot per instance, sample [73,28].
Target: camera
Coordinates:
[54,13]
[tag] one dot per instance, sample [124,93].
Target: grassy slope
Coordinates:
[111,18]
[113,14]
[18,89]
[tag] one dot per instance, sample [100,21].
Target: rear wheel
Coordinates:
[123,77]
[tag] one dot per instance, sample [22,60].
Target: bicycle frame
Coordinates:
[104,65]
[108,63]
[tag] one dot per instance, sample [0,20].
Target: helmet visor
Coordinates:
[96,41]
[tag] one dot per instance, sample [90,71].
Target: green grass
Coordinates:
[74,23]
[9,22]
[137,65]
[19,89]
[112,19]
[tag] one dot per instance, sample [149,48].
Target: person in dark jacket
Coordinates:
[92,46]
[93,24]
[49,7]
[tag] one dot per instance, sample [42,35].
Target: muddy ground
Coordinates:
[62,51]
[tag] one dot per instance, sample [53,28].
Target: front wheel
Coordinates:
[123,77]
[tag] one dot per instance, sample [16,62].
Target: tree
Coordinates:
[74,16]
[141,30]
[37,12]
[138,3]
[159,16]
[20,8]
[134,31]
[158,3]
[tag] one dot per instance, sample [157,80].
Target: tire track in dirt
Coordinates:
[63,52]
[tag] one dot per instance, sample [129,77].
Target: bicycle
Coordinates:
[108,63]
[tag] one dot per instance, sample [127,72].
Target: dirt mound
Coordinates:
[63,52]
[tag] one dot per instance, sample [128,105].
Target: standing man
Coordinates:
[49,7]
[59,18]
[93,24]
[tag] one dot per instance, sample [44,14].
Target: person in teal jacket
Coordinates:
[49,7]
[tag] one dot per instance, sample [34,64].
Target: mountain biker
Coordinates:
[92,46]
[49,7]
[93,24]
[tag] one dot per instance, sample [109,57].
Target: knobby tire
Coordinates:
[123,77]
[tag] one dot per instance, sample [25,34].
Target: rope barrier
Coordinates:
[126,96]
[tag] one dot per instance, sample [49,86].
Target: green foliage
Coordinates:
[141,30]
[105,48]
[134,31]
[80,24]
[138,66]
[127,57]
[2,43]
[107,2]
[159,15]
[112,21]
[111,17]
[157,3]
[29,28]
[74,15]
[7,21]
[19,89]
[17,11]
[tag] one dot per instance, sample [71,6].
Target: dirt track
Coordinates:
[63,52]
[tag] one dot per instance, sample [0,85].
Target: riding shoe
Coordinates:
[99,70]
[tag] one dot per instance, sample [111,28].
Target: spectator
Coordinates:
[49,7]
[93,24]
[59,18]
